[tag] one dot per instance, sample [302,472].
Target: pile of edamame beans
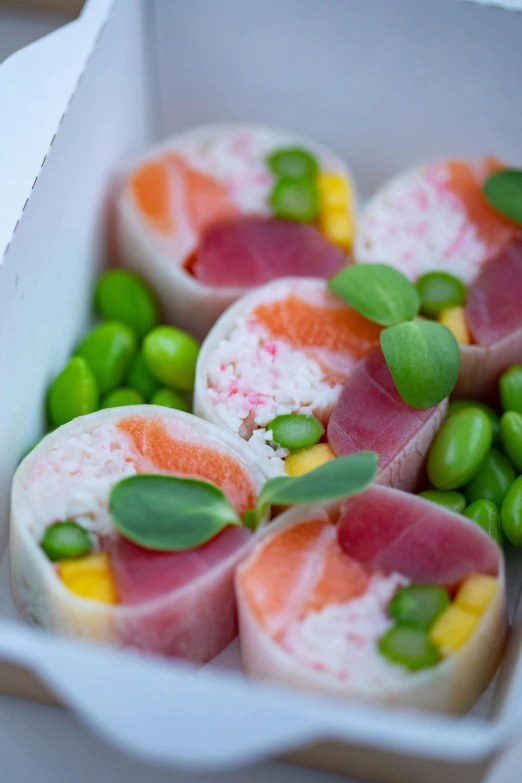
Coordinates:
[128,358]
[475,461]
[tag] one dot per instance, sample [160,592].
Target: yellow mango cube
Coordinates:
[338,227]
[90,577]
[453,628]
[334,191]
[455,319]
[476,593]
[301,462]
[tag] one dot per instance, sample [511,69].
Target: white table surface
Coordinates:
[49,745]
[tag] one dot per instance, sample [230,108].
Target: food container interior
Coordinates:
[386,84]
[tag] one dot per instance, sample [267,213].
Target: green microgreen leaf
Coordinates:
[378,291]
[503,190]
[339,478]
[424,360]
[168,513]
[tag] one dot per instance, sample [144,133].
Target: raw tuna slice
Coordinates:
[390,531]
[286,347]
[250,251]
[174,199]
[179,604]
[311,614]
[370,414]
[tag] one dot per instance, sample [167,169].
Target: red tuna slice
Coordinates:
[392,531]
[250,251]
[371,414]
[175,587]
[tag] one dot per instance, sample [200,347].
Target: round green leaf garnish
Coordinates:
[409,647]
[294,431]
[439,291]
[168,513]
[293,163]
[503,190]
[295,200]
[424,360]
[378,291]
[65,540]
[339,478]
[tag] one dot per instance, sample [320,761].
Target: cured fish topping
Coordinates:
[435,218]
[166,453]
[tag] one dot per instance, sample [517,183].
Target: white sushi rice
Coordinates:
[418,225]
[341,639]
[74,479]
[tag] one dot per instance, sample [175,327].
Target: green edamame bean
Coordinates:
[453,501]
[459,448]
[65,540]
[511,435]
[73,393]
[493,479]
[459,405]
[123,296]
[486,514]
[108,350]
[438,291]
[171,356]
[511,513]
[510,389]
[170,399]
[122,396]
[295,431]
[140,378]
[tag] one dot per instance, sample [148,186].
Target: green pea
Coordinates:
[295,431]
[453,501]
[493,479]
[140,378]
[123,296]
[459,448]
[438,291]
[108,350]
[485,513]
[510,389]
[511,513]
[511,434]
[73,393]
[122,396]
[171,357]
[65,540]
[170,399]
[459,405]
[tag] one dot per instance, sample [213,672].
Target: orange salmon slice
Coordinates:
[304,325]
[153,442]
[298,571]
[169,193]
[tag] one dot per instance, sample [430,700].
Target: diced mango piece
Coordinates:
[301,462]
[476,593]
[453,629]
[338,227]
[90,577]
[455,319]
[334,191]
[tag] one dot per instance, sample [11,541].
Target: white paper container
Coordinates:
[386,82]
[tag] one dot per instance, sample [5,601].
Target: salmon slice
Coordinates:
[305,325]
[395,532]
[174,197]
[250,251]
[154,443]
[300,570]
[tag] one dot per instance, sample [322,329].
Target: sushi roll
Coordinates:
[94,583]
[391,600]
[219,209]
[295,347]
[435,218]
